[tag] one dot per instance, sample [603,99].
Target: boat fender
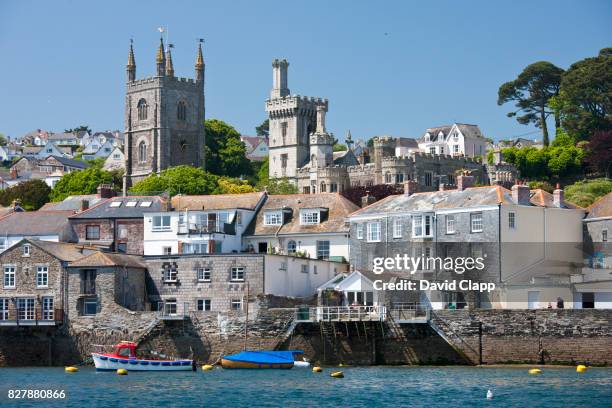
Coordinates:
[337,374]
[208,367]
[71,369]
[535,371]
[581,368]
[122,371]
[317,369]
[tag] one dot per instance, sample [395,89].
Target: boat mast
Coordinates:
[246,320]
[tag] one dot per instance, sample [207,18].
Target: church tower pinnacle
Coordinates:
[160,58]
[169,66]
[199,65]
[131,65]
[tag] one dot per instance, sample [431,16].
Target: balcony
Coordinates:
[172,310]
[31,317]
[399,312]
[205,228]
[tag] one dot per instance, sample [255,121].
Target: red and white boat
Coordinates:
[124,356]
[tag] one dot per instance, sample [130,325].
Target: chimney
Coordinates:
[558,197]
[464,181]
[14,173]
[520,194]
[106,191]
[410,187]
[84,205]
[367,199]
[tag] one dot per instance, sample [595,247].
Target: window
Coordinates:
[9,277]
[283,130]
[441,149]
[170,273]
[42,277]
[116,156]
[309,217]
[237,274]
[273,218]
[450,224]
[604,235]
[359,231]
[291,247]
[115,204]
[122,231]
[181,111]
[170,308]
[4,308]
[204,305]
[166,250]
[323,250]
[26,250]
[323,187]
[204,274]
[428,178]
[333,188]
[304,268]
[92,232]
[238,217]
[142,109]
[142,152]
[387,177]
[25,309]
[422,226]
[161,223]
[476,222]
[456,149]
[284,158]
[397,228]
[373,231]
[399,178]
[90,307]
[88,281]
[47,308]
[195,248]
[236,304]
[511,220]
[432,150]
[131,204]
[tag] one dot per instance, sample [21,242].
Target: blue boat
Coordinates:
[261,359]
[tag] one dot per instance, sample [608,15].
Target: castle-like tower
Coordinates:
[293,119]
[164,118]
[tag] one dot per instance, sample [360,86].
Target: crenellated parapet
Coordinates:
[294,104]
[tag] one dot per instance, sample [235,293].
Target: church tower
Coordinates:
[293,119]
[164,118]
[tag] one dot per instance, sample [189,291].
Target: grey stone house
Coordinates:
[33,281]
[527,240]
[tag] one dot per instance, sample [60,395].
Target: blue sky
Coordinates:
[387,67]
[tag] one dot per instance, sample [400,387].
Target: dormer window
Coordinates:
[273,218]
[427,137]
[441,135]
[310,216]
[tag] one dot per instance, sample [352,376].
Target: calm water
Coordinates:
[367,387]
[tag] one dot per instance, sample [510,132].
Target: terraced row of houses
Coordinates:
[89,255]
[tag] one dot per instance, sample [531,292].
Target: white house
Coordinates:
[457,140]
[307,225]
[4,153]
[103,150]
[256,147]
[115,160]
[206,224]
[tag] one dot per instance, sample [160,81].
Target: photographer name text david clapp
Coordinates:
[423,284]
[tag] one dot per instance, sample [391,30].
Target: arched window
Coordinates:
[313,160]
[142,109]
[142,152]
[181,111]
[291,247]
[323,187]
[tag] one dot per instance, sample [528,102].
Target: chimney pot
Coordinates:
[558,197]
[410,187]
[84,205]
[464,181]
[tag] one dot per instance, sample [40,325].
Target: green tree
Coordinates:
[179,180]
[584,103]
[3,141]
[83,182]
[263,129]
[33,194]
[531,91]
[225,153]
[234,186]
[78,129]
[272,185]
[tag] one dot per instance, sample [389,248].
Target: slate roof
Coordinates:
[470,130]
[406,142]
[102,259]
[338,208]
[5,211]
[32,149]
[62,136]
[437,200]
[247,201]
[434,131]
[34,223]
[73,202]
[70,162]
[62,250]
[106,209]
[601,208]
[345,158]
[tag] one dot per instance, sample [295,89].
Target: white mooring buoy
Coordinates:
[489,394]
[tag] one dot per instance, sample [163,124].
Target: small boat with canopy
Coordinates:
[124,356]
